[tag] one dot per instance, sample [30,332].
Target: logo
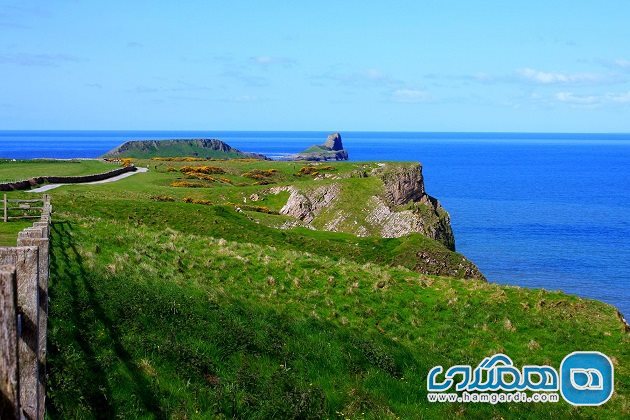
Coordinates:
[586,378]
[496,373]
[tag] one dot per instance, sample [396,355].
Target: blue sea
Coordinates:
[537,210]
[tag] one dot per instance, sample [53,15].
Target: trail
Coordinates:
[114,179]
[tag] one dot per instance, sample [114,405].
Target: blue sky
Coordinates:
[321,65]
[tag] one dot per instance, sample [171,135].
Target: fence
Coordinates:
[26,209]
[24,272]
[28,183]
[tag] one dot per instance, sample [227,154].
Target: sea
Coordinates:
[536,210]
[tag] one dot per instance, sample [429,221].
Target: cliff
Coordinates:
[204,148]
[332,149]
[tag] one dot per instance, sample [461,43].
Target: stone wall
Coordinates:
[24,273]
[28,183]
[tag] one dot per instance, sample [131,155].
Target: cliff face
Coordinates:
[404,186]
[379,200]
[391,203]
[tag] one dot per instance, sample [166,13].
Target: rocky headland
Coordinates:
[202,148]
[332,149]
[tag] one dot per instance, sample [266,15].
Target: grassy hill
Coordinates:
[204,148]
[186,301]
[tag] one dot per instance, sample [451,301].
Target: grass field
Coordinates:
[25,169]
[169,309]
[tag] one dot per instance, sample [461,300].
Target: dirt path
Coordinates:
[114,179]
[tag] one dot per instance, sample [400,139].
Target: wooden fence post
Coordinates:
[26,262]
[9,378]
[38,236]
[4,209]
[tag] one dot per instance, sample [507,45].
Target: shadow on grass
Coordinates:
[67,263]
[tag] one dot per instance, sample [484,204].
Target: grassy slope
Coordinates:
[17,171]
[169,150]
[20,170]
[132,200]
[173,309]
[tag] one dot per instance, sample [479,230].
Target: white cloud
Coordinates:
[610,98]
[571,98]
[623,64]
[410,96]
[267,60]
[621,98]
[44,60]
[549,78]
[370,77]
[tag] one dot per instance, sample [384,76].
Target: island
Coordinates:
[202,148]
[332,149]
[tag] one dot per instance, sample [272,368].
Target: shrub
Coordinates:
[186,184]
[260,209]
[202,170]
[260,174]
[197,201]
[314,170]
[198,175]
[162,198]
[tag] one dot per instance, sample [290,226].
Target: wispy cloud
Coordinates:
[622,64]
[177,86]
[574,99]
[246,78]
[610,98]
[362,78]
[42,60]
[410,96]
[244,99]
[267,61]
[551,78]
[15,16]
[134,44]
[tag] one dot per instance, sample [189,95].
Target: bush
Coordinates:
[186,184]
[162,198]
[197,201]
[260,174]
[314,170]
[202,170]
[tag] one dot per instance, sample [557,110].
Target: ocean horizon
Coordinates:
[540,210]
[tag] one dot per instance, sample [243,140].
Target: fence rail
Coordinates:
[24,208]
[24,273]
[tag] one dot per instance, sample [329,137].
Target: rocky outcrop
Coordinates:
[332,149]
[333,142]
[203,148]
[403,184]
[306,205]
[426,217]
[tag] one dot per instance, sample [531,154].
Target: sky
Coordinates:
[528,66]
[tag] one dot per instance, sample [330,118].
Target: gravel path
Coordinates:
[114,179]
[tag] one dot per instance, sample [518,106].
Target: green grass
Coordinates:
[177,310]
[148,321]
[9,230]
[25,169]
